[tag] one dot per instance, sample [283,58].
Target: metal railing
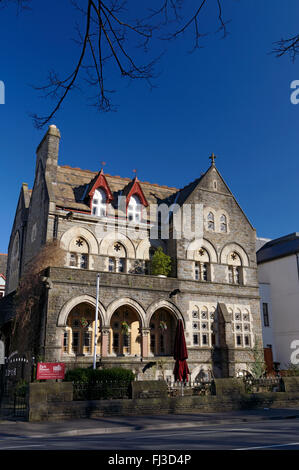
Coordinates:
[104,390]
[264,384]
[194,388]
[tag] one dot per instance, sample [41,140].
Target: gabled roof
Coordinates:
[100,182]
[134,188]
[278,248]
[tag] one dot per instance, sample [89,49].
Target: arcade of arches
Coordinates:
[124,336]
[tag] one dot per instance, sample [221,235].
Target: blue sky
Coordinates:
[231,97]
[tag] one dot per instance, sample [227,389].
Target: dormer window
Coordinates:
[99,203]
[134,209]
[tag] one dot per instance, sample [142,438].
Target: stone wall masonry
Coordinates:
[64,410]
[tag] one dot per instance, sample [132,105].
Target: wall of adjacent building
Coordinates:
[282,275]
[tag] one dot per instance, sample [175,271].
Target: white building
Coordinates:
[278,273]
[2,285]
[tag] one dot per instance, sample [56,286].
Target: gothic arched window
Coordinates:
[235,273]
[78,253]
[211,221]
[223,223]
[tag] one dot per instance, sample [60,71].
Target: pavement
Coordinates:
[124,424]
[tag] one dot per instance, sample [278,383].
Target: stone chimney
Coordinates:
[47,152]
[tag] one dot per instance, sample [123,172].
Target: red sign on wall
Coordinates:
[50,370]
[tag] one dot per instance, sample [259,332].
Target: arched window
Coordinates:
[117,259]
[134,209]
[78,334]
[202,271]
[211,221]
[99,203]
[163,327]
[125,333]
[78,253]
[235,273]
[223,223]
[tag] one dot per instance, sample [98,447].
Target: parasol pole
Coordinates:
[96,323]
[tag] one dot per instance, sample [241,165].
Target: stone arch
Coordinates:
[202,243]
[142,250]
[111,238]
[115,304]
[70,304]
[238,249]
[167,306]
[78,231]
[201,372]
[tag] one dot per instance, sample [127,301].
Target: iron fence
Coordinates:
[194,388]
[264,384]
[15,375]
[104,390]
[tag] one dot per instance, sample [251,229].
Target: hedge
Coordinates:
[90,376]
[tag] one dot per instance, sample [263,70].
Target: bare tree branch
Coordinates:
[287,46]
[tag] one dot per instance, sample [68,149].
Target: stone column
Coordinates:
[145,341]
[105,340]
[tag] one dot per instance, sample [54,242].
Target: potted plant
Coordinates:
[160,263]
[84,322]
[124,328]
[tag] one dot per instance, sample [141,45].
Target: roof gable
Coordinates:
[100,182]
[134,188]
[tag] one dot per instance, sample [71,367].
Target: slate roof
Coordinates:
[73,184]
[278,248]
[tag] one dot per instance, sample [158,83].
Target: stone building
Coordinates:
[112,226]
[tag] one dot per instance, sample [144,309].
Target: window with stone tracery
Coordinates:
[235,271]
[78,253]
[242,328]
[204,327]
[202,268]
[117,258]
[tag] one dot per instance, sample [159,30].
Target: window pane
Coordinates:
[65,341]
[205,272]
[75,344]
[266,314]
[195,340]
[87,342]
[83,261]
[120,265]
[73,259]
[111,265]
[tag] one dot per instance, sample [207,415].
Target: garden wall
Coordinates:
[57,404]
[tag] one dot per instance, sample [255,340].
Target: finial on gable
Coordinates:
[212,158]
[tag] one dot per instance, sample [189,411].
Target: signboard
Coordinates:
[50,370]
[2,353]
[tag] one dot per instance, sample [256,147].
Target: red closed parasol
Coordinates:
[181,370]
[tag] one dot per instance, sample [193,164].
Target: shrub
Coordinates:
[90,376]
[160,263]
